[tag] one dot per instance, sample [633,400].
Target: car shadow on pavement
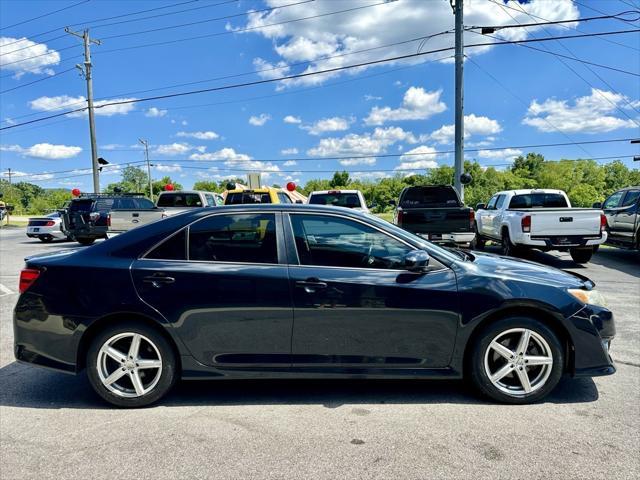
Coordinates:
[626,261]
[23,386]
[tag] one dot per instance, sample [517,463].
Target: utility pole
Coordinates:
[9,175]
[459,128]
[86,71]
[146,155]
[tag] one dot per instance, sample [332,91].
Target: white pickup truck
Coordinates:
[174,202]
[127,213]
[541,219]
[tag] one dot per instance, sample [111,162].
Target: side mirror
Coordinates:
[597,205]
[393,203]
[416,261]
[480,206]
[299,201]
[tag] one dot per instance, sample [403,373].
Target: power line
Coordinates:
[589,83]
[319,72]
[44,15]
[39,80]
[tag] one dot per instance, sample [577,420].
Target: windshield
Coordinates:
[239,198]
[337,199]
[538,200]
[179,200]
[424,197]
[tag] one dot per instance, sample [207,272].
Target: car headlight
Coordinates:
[592,297]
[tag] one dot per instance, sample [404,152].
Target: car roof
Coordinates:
[335,190]
[183,191]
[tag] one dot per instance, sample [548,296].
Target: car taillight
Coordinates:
[50,223]
[472,217]
[27,277]
[399,217]
[108,220]
[526,223]
[603,222]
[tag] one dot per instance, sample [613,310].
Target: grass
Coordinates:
[388,216]
[15,224]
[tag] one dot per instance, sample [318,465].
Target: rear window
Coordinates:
[538,200]
[417,197]
[179,200]
[349,200]
[242,198]
[81,205]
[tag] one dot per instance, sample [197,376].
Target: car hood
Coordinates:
[510,268]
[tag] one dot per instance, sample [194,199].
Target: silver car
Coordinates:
[46,228]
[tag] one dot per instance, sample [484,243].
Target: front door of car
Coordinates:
[222,286]
[487,216]
[354,304]
[611,208]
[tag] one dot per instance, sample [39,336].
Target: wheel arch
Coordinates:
[98,325]
[538,313]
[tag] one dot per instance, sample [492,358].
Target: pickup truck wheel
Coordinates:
[478,243]
[581,255]
[508,249]
[85,241]
[516,360]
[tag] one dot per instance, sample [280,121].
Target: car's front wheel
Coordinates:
[131,365]
[516,360]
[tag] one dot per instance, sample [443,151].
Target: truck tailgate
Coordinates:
[124,220]
[437,220]
[564,221]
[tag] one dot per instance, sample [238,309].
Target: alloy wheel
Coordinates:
[129,365]
[518,361]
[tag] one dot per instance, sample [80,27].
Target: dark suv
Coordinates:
[622,210]
[87,217]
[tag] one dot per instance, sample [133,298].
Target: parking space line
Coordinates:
[5,291]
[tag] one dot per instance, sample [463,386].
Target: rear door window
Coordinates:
[500,201]
[240,238]
[631,198]
[173,248]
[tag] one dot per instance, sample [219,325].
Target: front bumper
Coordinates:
[593,330]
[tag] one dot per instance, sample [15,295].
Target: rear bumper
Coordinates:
[594,329]
[561,241]
[93,232]
[460,238]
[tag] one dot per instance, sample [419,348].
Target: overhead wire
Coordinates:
[48,14]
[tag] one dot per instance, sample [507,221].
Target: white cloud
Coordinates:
[291,119]
[154,112]
[357,161]
[473,125]
[370,98]
[173,149]
[233,159]
[260,120]
[589,114]
[208,135]
[333,124]
[31,176]
[268,70]
[289,163]
[289,151]
[65,102]
[44,151]
[419,158]
[506,154]
[417,104]
[25,56]
[184,123]
[317,38]
[370,143]
[168,168]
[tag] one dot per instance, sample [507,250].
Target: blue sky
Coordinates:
[514,96]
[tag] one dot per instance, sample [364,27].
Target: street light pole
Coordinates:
[146,155]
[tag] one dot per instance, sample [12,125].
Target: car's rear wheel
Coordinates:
[131,365]
[516,360]
[85,241]
[581,255]
[45,239]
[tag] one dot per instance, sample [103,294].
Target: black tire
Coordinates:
[479,375]
[596,248]
[45,239]
[507,248]
[167,377]
[85,241]
[581,255]
[478,242]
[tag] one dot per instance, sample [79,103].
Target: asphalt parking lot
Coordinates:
[53,426]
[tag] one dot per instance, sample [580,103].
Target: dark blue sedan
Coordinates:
[275,291]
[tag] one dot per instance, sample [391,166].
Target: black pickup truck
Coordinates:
[87,217]
[622,210]
[436,213]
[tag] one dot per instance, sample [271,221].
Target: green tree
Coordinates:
[340,179]
[159,185]
[206,185]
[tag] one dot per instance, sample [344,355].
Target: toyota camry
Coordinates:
[303,291]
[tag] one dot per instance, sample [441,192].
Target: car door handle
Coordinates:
[158,280]
[311,285]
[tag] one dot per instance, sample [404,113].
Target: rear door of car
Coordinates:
[625,217]
[223,284]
